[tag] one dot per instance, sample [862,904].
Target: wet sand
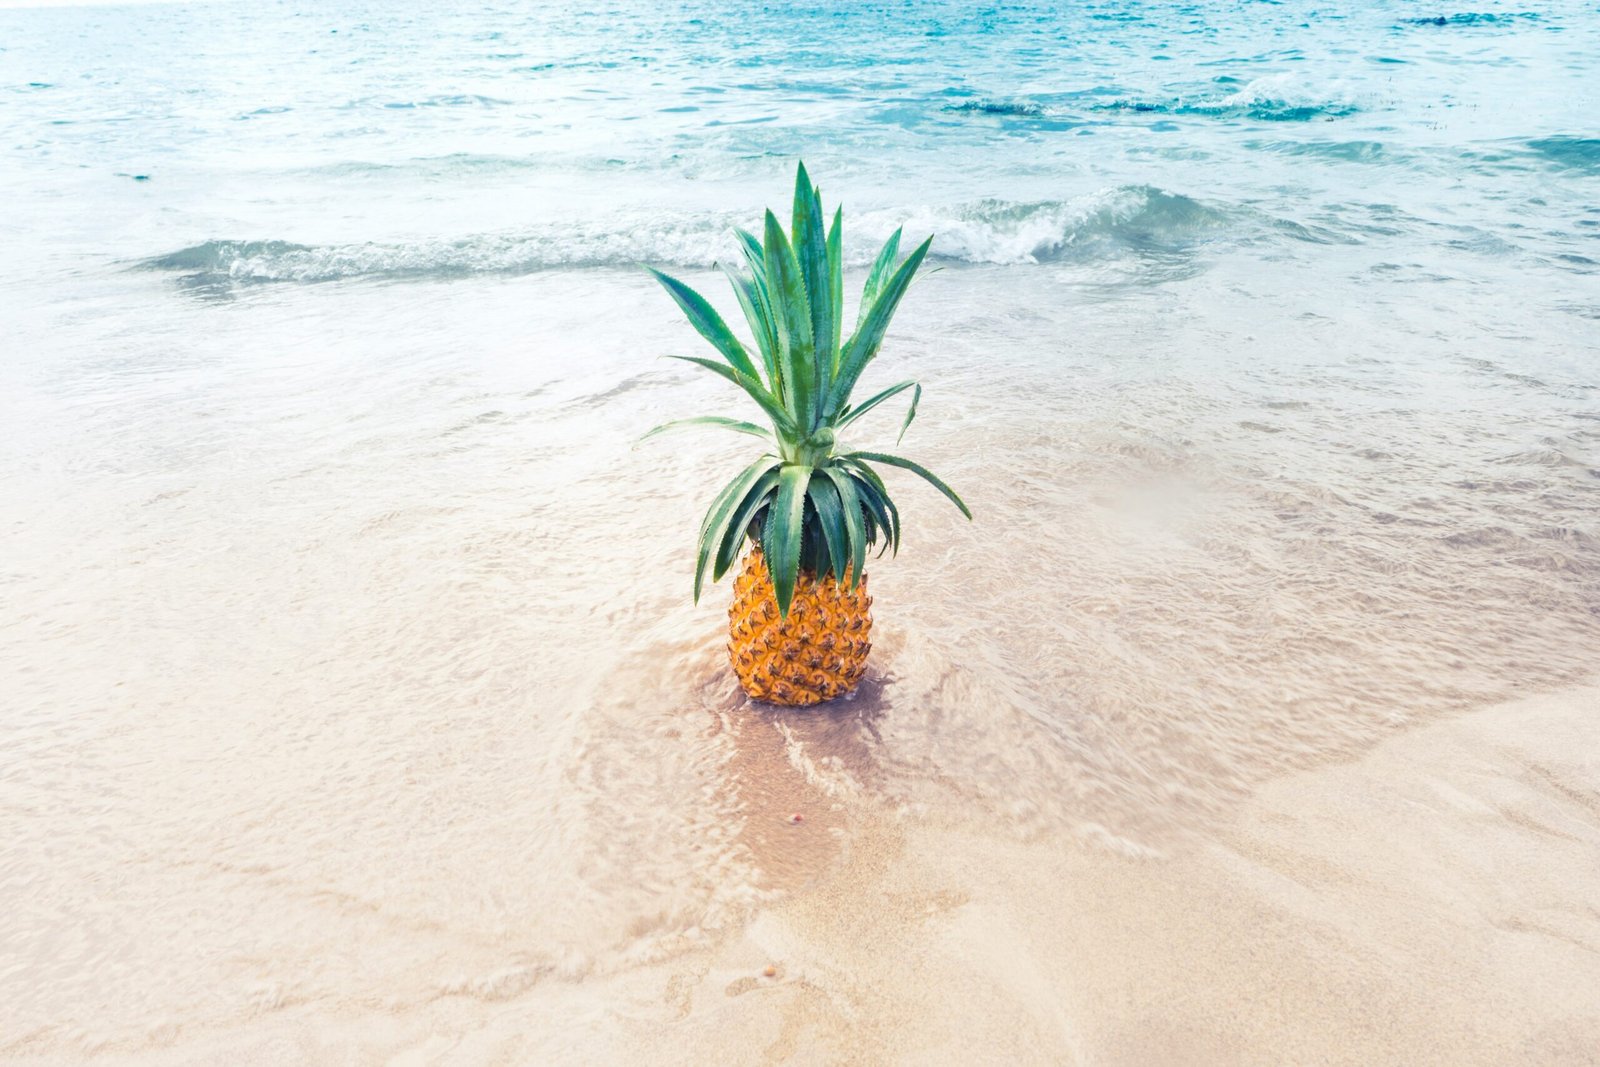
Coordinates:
[1430,902]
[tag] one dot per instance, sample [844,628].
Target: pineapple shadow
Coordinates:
[796,775]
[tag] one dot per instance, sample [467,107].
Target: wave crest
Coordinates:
[220,264]
[1275,98]
[1112,224]
[1472,18]
[1012,108]
[1102,225]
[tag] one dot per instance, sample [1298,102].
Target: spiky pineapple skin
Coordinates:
[818,653]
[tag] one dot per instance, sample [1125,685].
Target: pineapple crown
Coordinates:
[809,505]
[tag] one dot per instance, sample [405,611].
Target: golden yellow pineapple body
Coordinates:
[819,652]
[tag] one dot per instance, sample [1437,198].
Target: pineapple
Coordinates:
[799,629]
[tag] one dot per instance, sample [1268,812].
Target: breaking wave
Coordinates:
[1275,98]
[226,263]
[1113,223]
[1271,98]
[1012,108]
[1106,224]
[1472,18]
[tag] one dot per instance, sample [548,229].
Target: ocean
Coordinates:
[349,663]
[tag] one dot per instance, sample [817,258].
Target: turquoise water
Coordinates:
[231,144]
[1262,341]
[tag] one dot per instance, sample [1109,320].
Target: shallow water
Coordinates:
[348,655]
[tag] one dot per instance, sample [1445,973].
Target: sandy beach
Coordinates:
[1429,903]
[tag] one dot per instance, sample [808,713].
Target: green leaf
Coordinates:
[811,250]
[708,420]
[754,256]
[874,504]
[716,520]
[917,469]
[781,534]
[757,391]
[830,514]
[836,281]
[851,414]
[855,527]
[864,344]
[704,318]
[739,522]
[814,545]
[792,315]
[755,259]
[911,413]
[876,496]
[753,303]
[877,275]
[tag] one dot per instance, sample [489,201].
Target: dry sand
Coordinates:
[1436,901]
